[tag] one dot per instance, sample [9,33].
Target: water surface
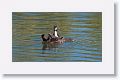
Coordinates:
[84,27]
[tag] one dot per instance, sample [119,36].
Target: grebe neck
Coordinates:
[55,33]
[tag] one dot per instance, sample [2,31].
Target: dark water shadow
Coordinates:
[48,46]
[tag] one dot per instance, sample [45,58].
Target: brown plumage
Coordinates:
[44,38]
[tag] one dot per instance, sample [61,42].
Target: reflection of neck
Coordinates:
[55,33]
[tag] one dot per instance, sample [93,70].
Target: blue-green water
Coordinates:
[84,27]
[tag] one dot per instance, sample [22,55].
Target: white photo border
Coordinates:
[104,67]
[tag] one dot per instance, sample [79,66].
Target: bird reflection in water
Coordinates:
[49,46]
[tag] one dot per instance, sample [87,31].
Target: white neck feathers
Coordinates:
[56,35]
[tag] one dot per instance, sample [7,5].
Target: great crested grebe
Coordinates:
[55,37]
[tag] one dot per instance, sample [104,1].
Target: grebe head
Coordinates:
[55,28]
